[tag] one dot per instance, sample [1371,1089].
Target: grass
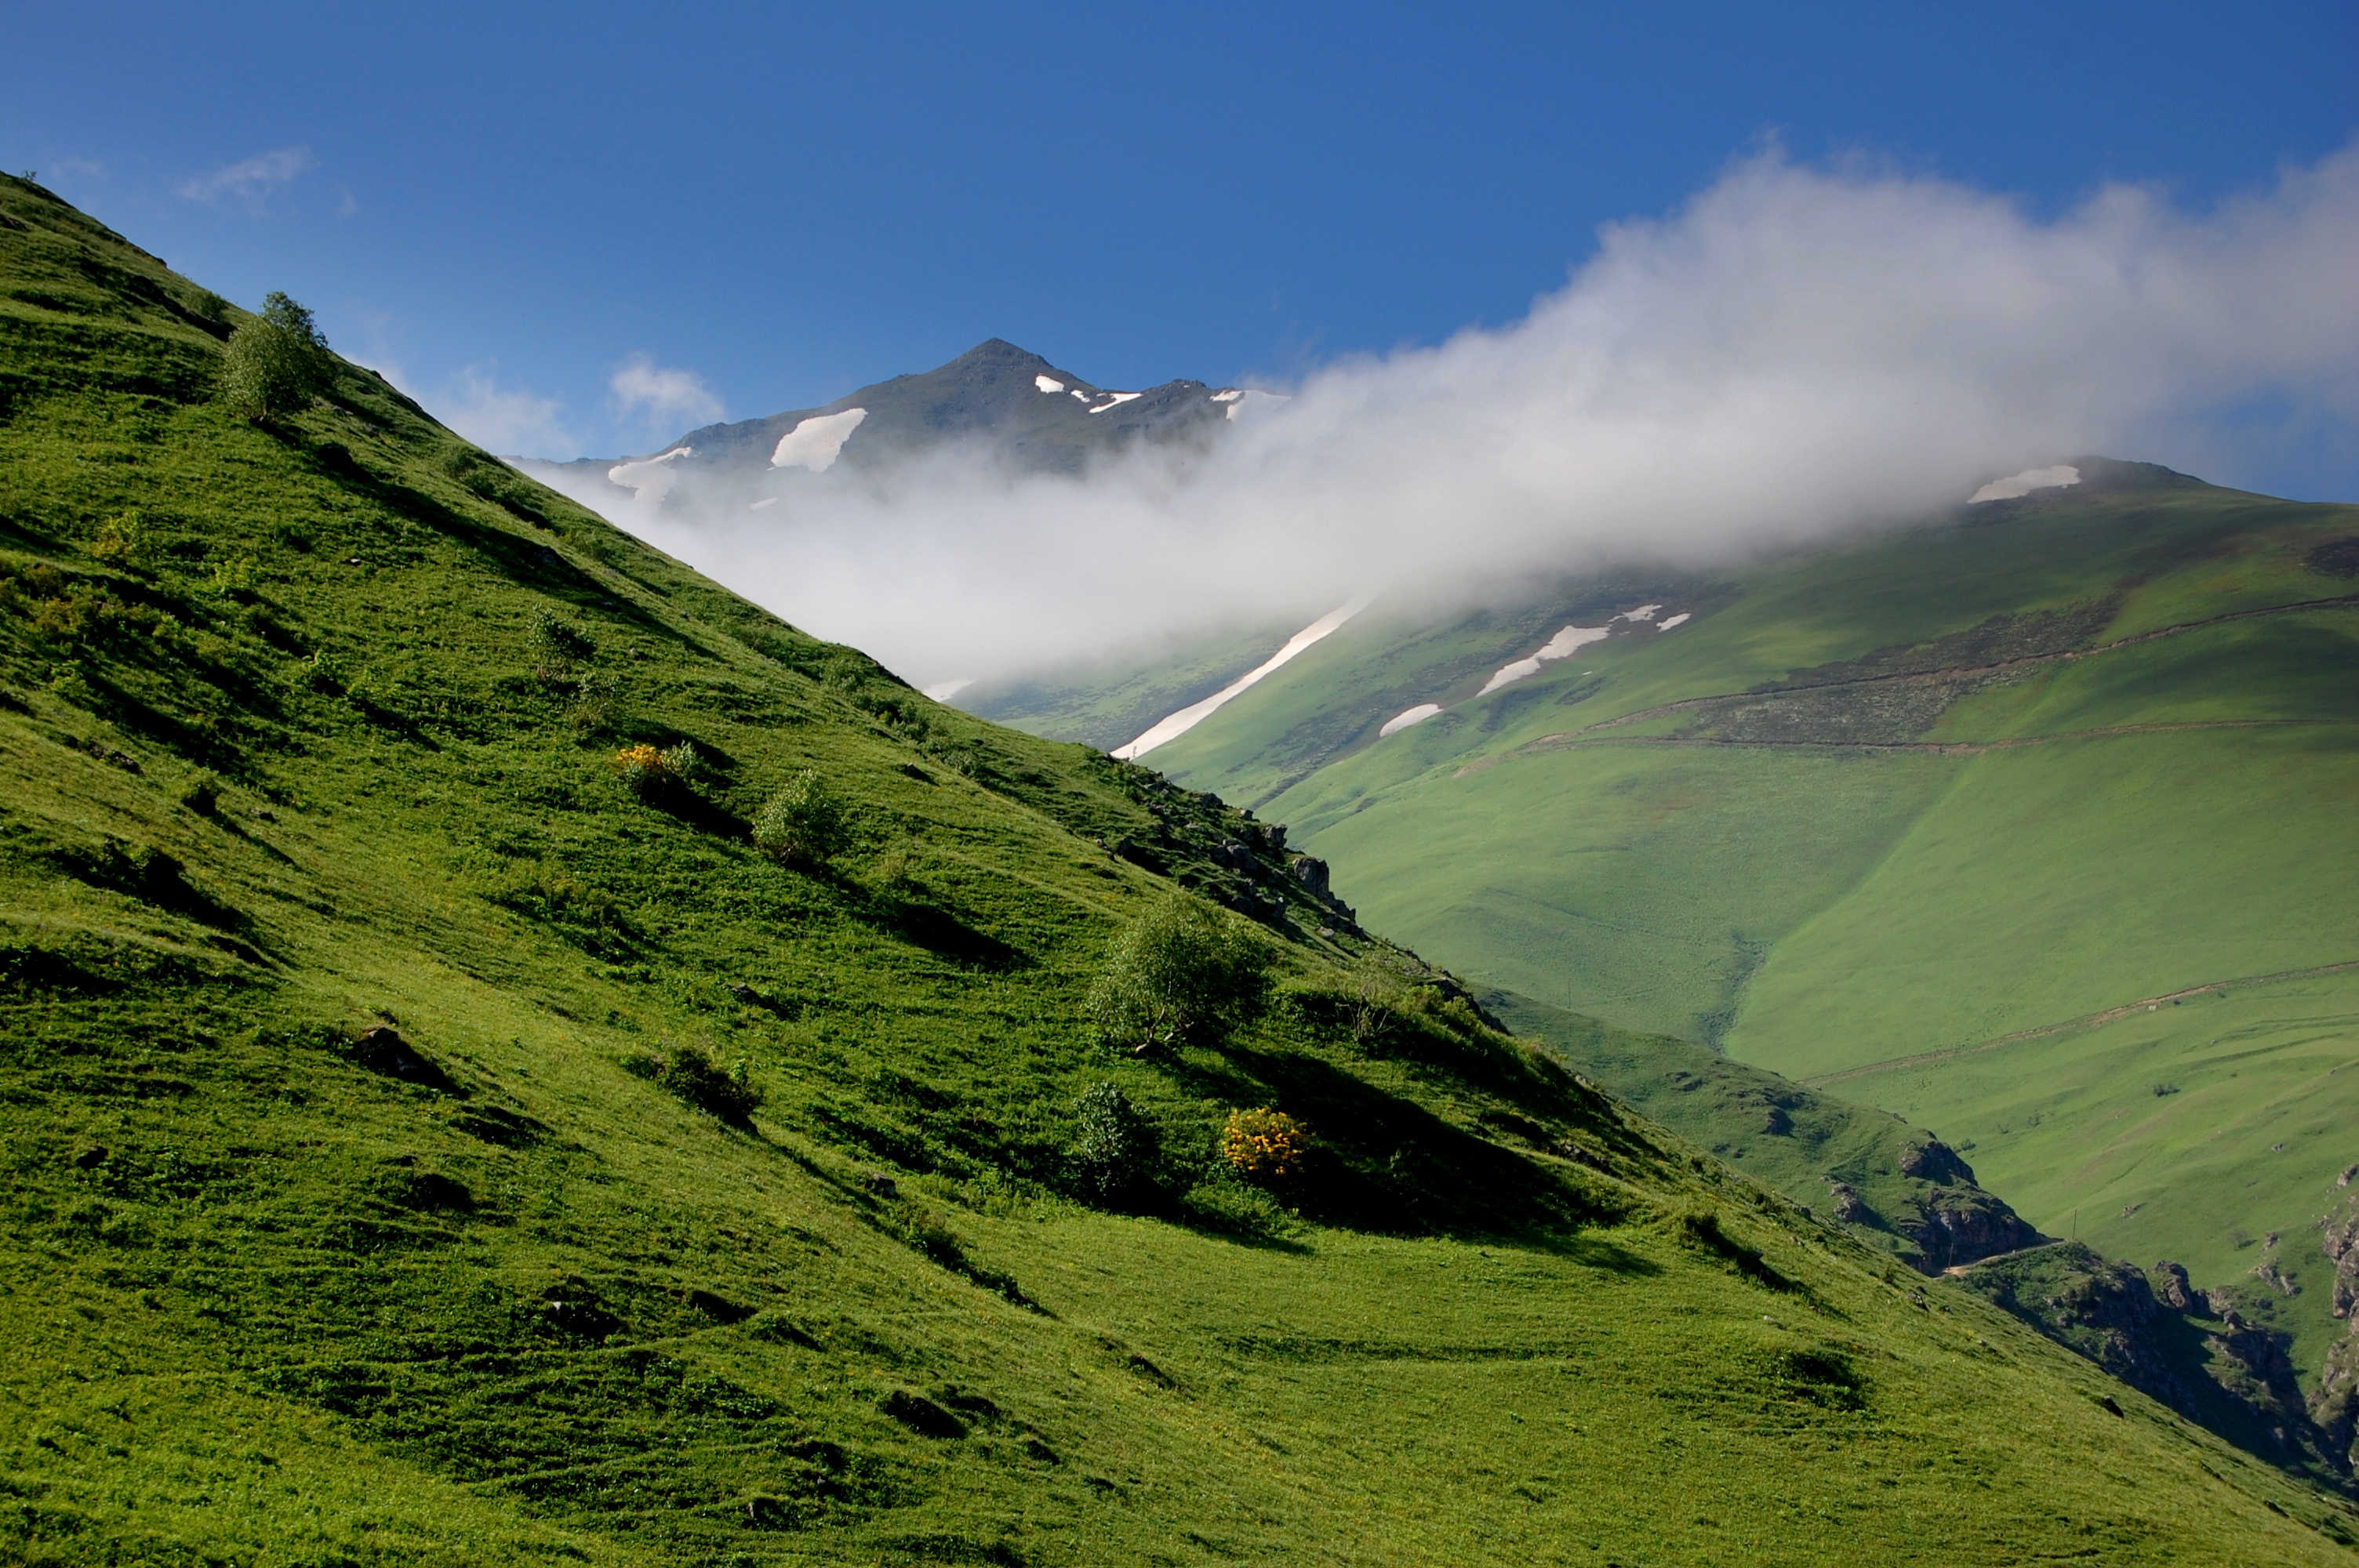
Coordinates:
[353,1215]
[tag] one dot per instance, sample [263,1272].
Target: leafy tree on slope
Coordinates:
[275,362]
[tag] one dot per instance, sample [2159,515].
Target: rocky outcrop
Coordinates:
[2335,1405]
[1934,1161]
[1953,1226]
[2209,1356]
[2103,1310]
[2250,1362]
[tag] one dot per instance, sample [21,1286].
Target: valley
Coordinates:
[510,1053]
[2030,825]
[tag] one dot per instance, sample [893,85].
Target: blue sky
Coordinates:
[508,204]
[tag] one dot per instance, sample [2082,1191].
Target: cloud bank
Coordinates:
[1796,352]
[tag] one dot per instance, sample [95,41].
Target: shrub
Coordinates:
[121,542]
[561,643]
[201,794]
[693,1076]
[648,771]
[803,824]
[1116,1148]
[1264,1145]
[276,364]
[1375,998]
[1181,974]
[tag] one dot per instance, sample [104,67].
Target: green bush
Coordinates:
[561,643]
[1115,1150]
[122,542]
[1181,974]
[275,363]
[201,793]
[802,825]
[689,1073]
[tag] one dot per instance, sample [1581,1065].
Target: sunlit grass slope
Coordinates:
[2198,1131]
[283,760]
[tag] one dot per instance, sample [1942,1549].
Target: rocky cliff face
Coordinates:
[2210,1356]
[2334,1406]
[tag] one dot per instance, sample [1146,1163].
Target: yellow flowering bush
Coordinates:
[1264,1145]
[649,771]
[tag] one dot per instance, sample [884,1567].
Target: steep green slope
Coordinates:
[363,1207]
[1898,818]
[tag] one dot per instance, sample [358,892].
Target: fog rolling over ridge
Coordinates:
[1796,352]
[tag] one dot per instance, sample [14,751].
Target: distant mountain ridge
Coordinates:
[1029,414]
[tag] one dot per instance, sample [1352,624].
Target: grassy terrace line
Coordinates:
[427,1145]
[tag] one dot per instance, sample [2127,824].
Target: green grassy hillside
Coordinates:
[1895,1185]
[365,1205]
[1903,819]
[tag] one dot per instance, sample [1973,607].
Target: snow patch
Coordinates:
[1114,400]
[1680,620]
[1172,726]
[1563,645]
[1644,613]
[2027,481]
[1400,722]
[815,443]
[1228,395]
[1048,383]
[1080,394]
[648,479]
[942,691]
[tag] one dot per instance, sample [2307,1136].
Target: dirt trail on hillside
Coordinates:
[1918,677]
[2110,1015]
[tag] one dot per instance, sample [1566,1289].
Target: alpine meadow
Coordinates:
[511,1053]
[1520,786]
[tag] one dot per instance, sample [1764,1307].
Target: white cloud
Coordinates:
[506,421]
[661,397]
[1796,352]
[249,181]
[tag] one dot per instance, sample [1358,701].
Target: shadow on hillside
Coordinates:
[910,917]
[699,814]
[1385,1164]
